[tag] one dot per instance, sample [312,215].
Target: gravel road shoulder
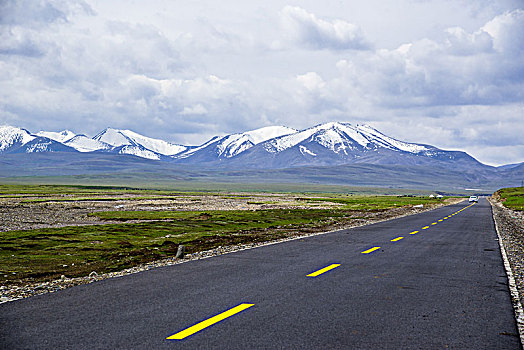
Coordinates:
[510,228]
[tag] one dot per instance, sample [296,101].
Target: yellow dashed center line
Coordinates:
[370,250]
[237,309]
[209,322]
[324,270]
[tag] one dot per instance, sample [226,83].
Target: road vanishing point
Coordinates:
[434,280]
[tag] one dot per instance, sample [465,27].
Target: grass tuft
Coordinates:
[512,197]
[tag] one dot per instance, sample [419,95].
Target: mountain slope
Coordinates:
[331,153]
[231,145]
[127,170]
[42,145]
[117,138]
[328,144]
[11,137]
[83,143]
[341,143]
[343,138]
[17,140]
[61,136]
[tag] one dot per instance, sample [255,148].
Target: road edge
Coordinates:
[514,293]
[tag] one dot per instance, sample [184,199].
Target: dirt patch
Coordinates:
[29,213]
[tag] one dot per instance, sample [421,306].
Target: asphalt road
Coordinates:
[443,287]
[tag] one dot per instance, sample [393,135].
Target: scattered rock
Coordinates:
[180,252]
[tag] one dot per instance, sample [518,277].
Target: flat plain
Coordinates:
[47,231]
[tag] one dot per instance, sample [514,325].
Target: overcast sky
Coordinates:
[449,73]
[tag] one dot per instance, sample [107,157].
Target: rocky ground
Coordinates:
[26,213]
[16,215]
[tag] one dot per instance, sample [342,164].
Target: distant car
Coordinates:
[473,199]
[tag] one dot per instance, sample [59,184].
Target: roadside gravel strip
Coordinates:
[20,292]
[510,229]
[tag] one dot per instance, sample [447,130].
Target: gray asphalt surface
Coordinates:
[444,287]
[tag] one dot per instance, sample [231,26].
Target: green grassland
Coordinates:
[8,190]
[78,250]
[45,254]
[367,203]
[513,197]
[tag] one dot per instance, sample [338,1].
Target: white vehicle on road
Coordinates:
[473,199]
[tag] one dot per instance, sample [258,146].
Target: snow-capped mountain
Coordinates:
[342,143]
[11,137]
[331,153]
[82,143]
[139,144]
[232,145]
[17,140]
[269,147]
[61,136]
[341,138]
[278,146]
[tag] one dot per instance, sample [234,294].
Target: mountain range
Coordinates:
[269,147]
[330,153]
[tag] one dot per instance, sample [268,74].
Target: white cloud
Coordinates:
[311,81]
[196,109]
[188,72]
[508,31]
[306,29]
[461,70]
[461,43]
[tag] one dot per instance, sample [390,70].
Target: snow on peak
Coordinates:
[155,145]
[10,135]
[61,136]
[269,132]
[337,137]
[342,138]
[234,144]
[117,138]
[113,137]
[83,143]
[139,152]
[379,138]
